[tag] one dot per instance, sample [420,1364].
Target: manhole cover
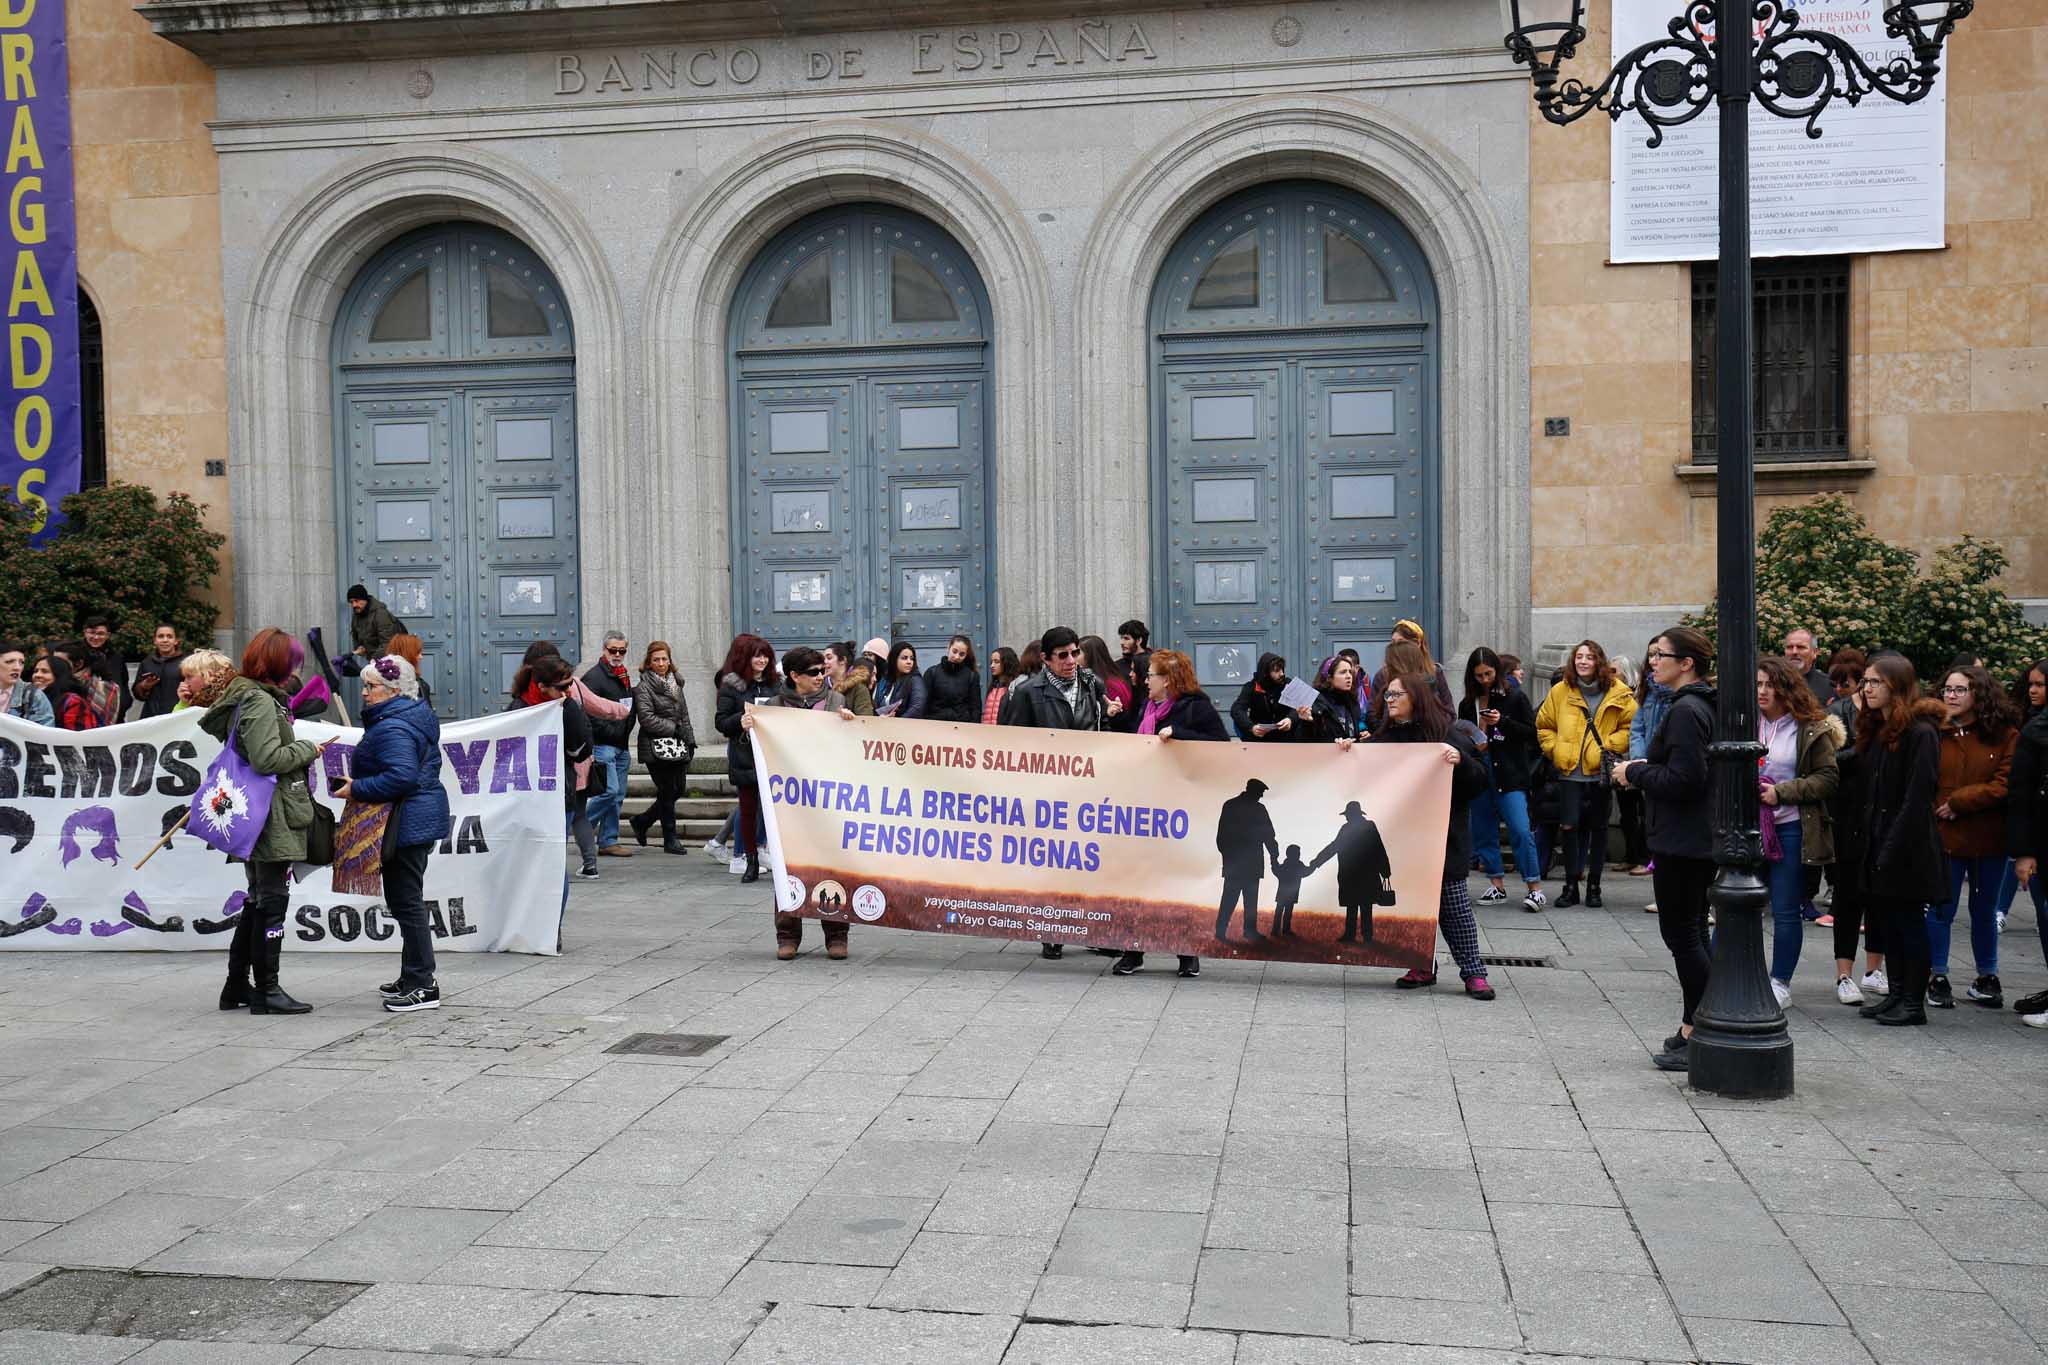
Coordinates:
[1510,960]
[114,1303]
[669,1044]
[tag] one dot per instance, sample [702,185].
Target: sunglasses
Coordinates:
[616,653]
[1066,654]
[817,672]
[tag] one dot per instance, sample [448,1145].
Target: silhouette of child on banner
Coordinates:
[1290,871]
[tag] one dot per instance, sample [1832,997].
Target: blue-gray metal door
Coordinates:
[456,456]
[861,446]
[1295,433]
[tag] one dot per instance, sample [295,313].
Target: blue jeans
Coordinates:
[1489,808]
[2009,890]
[604,808]
[1983,875]
[1787,880]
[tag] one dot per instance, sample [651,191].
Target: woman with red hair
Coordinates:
[254,714]
[1176,709]
[747,677]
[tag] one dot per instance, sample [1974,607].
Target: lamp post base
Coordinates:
[1740,1047]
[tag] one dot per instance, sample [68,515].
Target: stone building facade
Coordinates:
[1947,365]
[148,211]
[691,319]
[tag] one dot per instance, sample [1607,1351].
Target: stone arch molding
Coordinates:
[697,270]
[281,438]
[1480,277]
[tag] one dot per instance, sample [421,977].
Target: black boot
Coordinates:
[235,994]
[1593,891]
[269,997]
[753,872]
[1569,896]
[1877,1007]
[640,823]
[671,844]
[1904,1010]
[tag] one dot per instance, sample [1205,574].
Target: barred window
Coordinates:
[1802,359]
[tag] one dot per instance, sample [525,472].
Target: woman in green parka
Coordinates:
[263,735]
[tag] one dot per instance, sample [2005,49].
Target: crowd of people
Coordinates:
[1897,797]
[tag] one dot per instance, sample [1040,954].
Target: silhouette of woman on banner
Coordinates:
[1363,872]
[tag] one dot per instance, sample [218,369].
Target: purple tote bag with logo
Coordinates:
[233,803]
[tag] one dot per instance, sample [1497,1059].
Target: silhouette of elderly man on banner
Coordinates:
[1244,836]
[1363,872]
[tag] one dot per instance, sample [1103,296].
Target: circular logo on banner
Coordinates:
[868,903]
[793,893]
[831,898]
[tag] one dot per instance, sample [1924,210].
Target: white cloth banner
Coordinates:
[77,810]
[1875,179]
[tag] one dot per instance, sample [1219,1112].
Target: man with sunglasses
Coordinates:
[1061,696]
[608,679]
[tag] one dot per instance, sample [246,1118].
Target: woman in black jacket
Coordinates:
[1336,715]
[953,685]
[1898,767]
[667,742]
[1257,712]
[2026,816]
[1506,723]
[1415,716]
[748,677]
[900,689]
[1176,709]
[546,682]
[1676,791]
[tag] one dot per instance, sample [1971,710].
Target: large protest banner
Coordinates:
[41,451]
[1103,840]
[77,810]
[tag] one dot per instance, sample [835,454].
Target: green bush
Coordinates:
[124,554]
[1819,565]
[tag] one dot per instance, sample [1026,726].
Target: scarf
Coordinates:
[1155,711]
[533,696]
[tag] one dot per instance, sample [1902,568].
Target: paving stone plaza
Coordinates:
[947,1150]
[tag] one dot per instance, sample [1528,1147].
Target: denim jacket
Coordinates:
[1649,715]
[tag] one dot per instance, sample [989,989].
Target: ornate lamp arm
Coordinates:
[1665,83]
[1801,71]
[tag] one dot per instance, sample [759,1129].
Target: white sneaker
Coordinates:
[1534,901]
[1782,991]
[2001,924]
[1492,895]
[1846,992]
[737,866]
[1875,983]
[2035,1020]
[717,852]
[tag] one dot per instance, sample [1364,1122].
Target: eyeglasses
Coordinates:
[1657,654]
[1951,690]
[1872,682]
[1396,696]
[1066,654]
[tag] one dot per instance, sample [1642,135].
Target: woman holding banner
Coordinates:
[804,688]
[254,714]
[1176,709]
[1416,716]
[398,763]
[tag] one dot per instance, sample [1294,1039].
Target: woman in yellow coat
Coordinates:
[1583,728]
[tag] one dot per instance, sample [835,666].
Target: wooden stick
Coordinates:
[165,840]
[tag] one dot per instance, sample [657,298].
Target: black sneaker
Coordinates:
[1051,952]
[422,998]
[586,874]
[1986,991]
[391,990]
[1128,963]
[1940,995]
[2031,1004]
[1676,1059]
[1191,966]
[1675,1043]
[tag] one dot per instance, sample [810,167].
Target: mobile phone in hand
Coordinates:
[335,784]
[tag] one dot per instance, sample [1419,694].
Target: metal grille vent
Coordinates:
[1511,960]
[669,1044]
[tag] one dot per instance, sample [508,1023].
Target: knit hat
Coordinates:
[357,593]
[877,647]
[395,672]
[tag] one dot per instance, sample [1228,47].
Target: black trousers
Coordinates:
[1585,847]
[1634,833]
[1853,912]
[269,898]
[405,876]
[1907,955]
[669,781]
[1681,887]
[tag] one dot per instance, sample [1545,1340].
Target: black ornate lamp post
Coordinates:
[1739,1042]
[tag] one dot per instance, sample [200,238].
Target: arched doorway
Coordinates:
[455,416]
[1294,432]
[860,435]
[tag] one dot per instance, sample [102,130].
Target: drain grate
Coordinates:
[1511,960]
[669,1044]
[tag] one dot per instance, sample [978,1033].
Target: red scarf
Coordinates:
[533,696]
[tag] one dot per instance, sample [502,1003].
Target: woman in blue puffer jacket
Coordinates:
[399,761]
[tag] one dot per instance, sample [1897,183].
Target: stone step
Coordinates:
[709,785]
